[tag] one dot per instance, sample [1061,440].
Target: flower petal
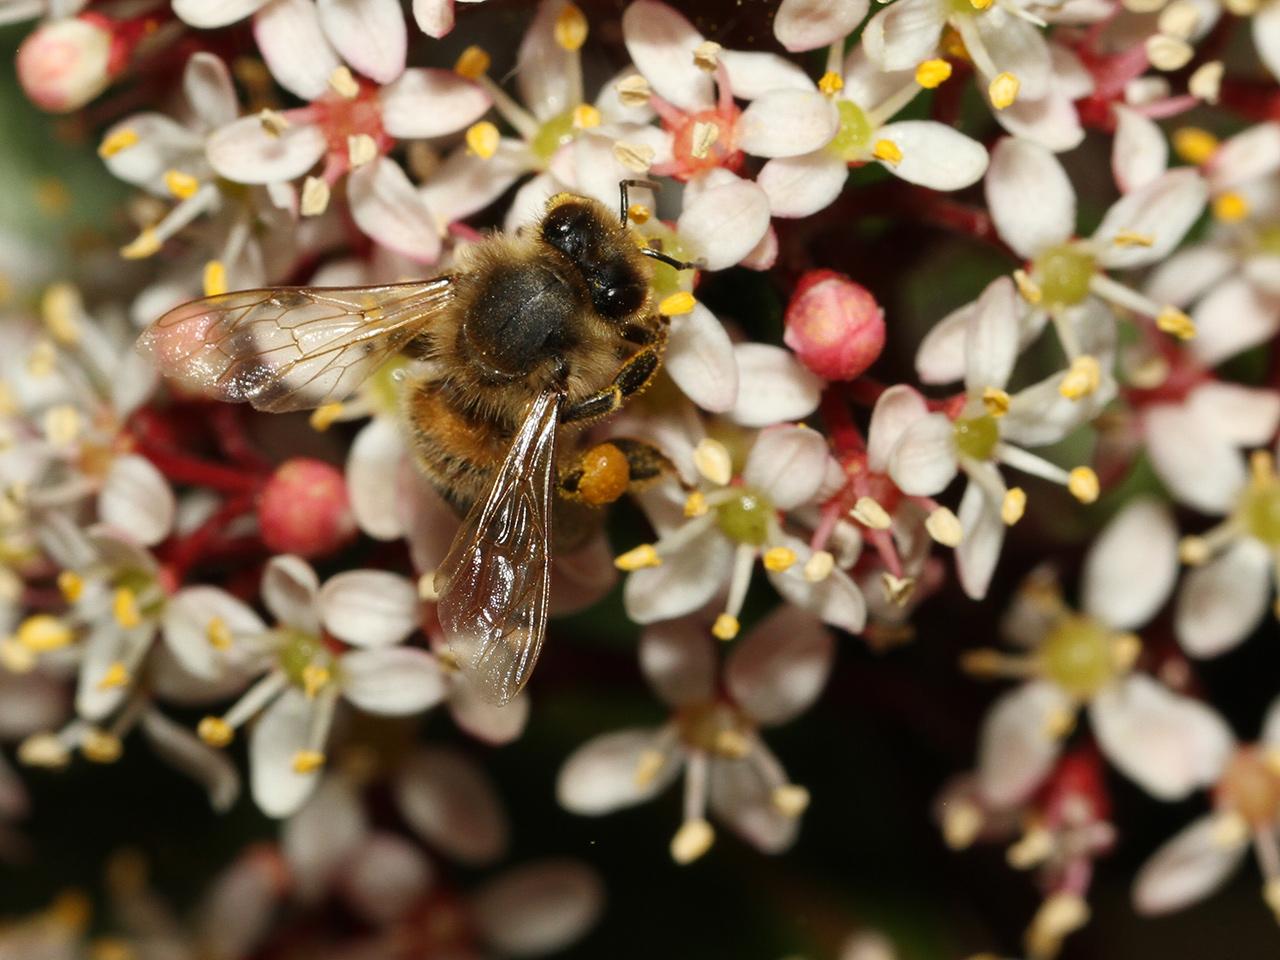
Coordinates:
[206,83]
[1246,157]
[385,205]
[136,499]
[801,186]
[538,908]
[787,123]
[291,591]
[1222,602]
[431,103]
[452,804]
[373,478]
[903,34]
[741,796]
[835,600]
[979,551]
[924,460]
[772,386]
[319,838]
[661,43]
[280,733]
[182,750]
[1139,153]
[293,44]
[245,152]
[543,70]
[1188,274]
[934,155]
[777,671]
[371,35]
[187,619]
[1017,748]
[679,661]
[683,583]
[487,721]
[723,223]
[433,17]
[753,73]
[701,360]
[600,776]
[1230,319]
[207,14]
[1200,467]
[1031,199]
[392,681]
[1246,416]
[787,464]
[1164,210]
[991,341]
[387,876]
[1132,566]
[803,25]
[895,410]
[370,608]
[1189,867]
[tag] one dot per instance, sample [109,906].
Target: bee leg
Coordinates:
[632,377]
[605,472]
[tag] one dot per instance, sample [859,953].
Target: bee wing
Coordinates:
[290,348]
[493,585]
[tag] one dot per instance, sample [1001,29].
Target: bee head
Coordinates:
[601,251]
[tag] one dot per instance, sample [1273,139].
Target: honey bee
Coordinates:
[528,340]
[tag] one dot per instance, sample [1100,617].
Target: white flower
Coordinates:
[773,674]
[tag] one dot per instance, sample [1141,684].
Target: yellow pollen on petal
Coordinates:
[71,585]
[944,527]
[888,151]
[314,679]
[116,675]
[692,840]
[677,304]
[124,607]
[214,278]
[1003,90]
[144,245]
[482,139]
[42,633]
[831,83]
[778,559]
[473,63]
[570,28]
[60,309]
[726,627]
[995,401]
[639,213]
[931,74]
[1131,238]
[1230,207]
[1082,378]
[99,746]
[1028,288]
[308,761]
[218,634]
[712,460]
[586,117]
[1013,506]
[325,415]
[868,512]
[648,767]
[790,799]
[638,558]
[695,505]
[181,185]
[1193,551]
[1174,322]
[1083,484]
[343,83]
[819,566]
[706,56]
[315,197]
[1194,145]
[62,424]
[116,141]
[633,90]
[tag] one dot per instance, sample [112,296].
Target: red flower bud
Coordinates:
[304,509]
[834,325]
[66,63]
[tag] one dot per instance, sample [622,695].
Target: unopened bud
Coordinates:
[66,63]
[304,509]
[834,325]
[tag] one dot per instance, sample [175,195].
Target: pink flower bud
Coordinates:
[304,509]
[66,63]
[834,325]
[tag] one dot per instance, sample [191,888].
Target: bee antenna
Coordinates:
[623,186]
[670,260]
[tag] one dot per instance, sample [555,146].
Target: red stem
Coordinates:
[181,468]
[186,550]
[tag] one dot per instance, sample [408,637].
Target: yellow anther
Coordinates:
[1174,322]
[1028,288]
[634,90]
[1194,145]
[124,607]
[819,566]
[482,139]
[1131,238]
[831,83]
[99,746]
[888,151]
[1082,378]
[218,634]
[1003,90]
[315,197]
[145,244]
[52,196]
[778,559]
[1271,895]
[962,821]
[1083,484]
[1125,650]
[1194,551]
[1230,829]
[648,767]
[897,590]
[1205,82]
[1165,52]
[933,73]
[1059,723]
[726,627]
[71,585]
[706,55]
[638,558]
[1230,207]
[60,309]
[704,138]
[1262,466]
[692,840]
[868,512]
[586,117]
[1033,849]
[712,460]
[118,140]
[315,678]
[343,83]
[995,401]
[308,761]
[638,213]
[273,122]
[944,527]
[731,743]
[636,157]
[41,633]
[181,185]
[790,799]
[980,4]
[1059,915]
[325,415]
[361,149]
[695,505]
[571,28]
[14,657]
[116,675]
[214,278]
[62,424]
[43,750]
[1013,506]
[473,63]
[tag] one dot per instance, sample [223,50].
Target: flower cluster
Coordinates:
[1054,352]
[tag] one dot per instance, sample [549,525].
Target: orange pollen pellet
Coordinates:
[605,474]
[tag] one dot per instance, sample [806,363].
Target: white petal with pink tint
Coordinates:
[903,34]
[1266,36]
[451,803]
[600,776]
[934,155]
[661,44]
[291,591]
[1139,153]
[787,123]
[1051,121]
[801,186]
[369,608]
[392,681]
[1168,744]
[1263,271]
[1132,566]
[207,14]
[741,796]
[1163,211]
[1188,273]
[136,500]
[803,25]
[431,103]
[1188,868]
[371,35]
[924,460]
[163,144]
[991,340]
[979,551]
[466,183]
[683,582]
[386,877]
[188,616]
[835,600]
[373,478]
[322,835]
[753,73]
[1246,416]
[386,207]
[777,671]
[1200,467]
[543,75]
[1031,199]
[940,357]
[486,721]
[538,908]
[772,386]
[433,17]
[245,152]
[1017,748]
[1230,319]
[679,661]
[895,410]
[293,44]
[701,360]
[280,733]
[179,748]
[206,84]
[1018,47]
[1222,602]
[723,223]
[1249,155]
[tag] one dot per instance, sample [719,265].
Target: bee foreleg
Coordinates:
[632,377]
[607,470]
